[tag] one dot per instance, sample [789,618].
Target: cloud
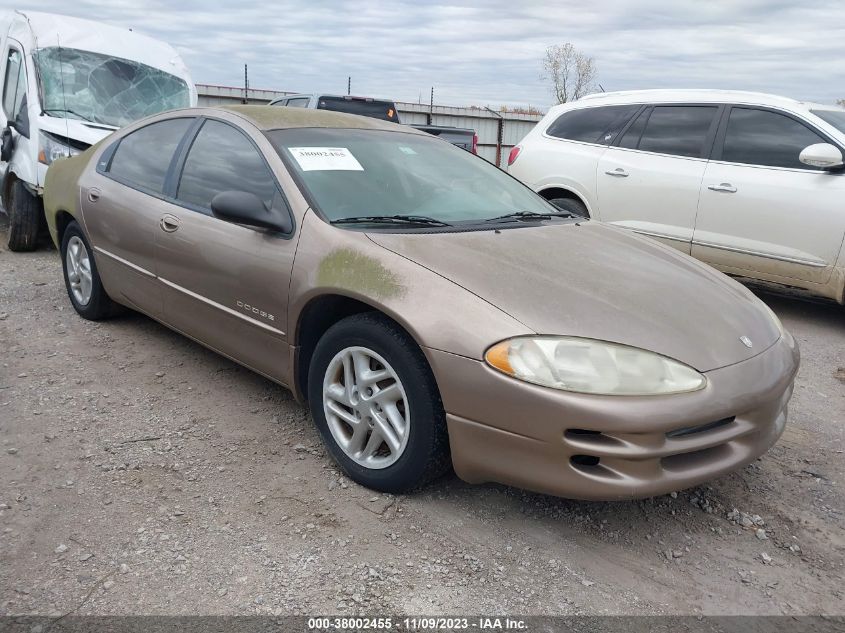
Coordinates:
[490,53]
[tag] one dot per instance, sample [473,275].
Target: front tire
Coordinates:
[572,205]
[84,287]
[25,213]
[376,404]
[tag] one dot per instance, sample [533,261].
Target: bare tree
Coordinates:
[840,102]
[571,73]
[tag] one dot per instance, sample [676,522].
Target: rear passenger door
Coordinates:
[761,209]
[224,284]
[649,180]
[122,201]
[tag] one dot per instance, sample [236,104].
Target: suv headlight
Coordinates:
[51,149]
[590,366]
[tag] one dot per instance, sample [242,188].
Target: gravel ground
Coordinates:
[141,473]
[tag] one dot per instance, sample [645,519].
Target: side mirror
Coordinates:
[21,122]
[822,155]
[244,207]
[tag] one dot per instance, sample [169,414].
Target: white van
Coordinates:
[752,184]
[65,84]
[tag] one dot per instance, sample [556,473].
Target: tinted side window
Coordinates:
[592,125]
[142,158]
[223,159]
[631,138]
[13,83]
[759,137]
[678,130]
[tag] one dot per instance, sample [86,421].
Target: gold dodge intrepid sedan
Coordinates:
[429,308]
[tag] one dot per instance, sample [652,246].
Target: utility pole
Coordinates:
[246,85]
[349,85]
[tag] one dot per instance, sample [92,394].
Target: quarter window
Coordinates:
[298,103]
[761,137]
[592,125]
[14,84]
[678,130]
[223,159]
[143,157]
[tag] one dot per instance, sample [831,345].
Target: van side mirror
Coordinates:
[243,207]
[822,155]
[21,122]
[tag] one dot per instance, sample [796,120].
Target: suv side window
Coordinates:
[223,159]
[302,102]
[14,83]
[592,125]
[762,137]
[677,130]
[143,157]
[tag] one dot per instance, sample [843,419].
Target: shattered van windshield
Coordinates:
[102,89]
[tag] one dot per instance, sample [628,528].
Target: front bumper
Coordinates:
[612,447]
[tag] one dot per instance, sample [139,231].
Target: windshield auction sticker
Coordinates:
[325,159]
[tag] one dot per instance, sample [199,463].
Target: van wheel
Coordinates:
[82,280]
[572,205]
[376,405]
[24,218]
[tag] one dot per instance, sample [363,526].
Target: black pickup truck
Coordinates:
[378,109]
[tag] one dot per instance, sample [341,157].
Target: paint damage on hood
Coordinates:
[600,282]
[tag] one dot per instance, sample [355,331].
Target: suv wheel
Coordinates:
[572,205]
[376,405]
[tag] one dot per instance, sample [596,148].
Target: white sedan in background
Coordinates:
[752,184]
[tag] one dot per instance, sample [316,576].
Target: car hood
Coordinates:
[596,281]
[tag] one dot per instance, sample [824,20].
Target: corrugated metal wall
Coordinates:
[488,124]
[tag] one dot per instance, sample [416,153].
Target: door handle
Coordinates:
[724,187]
[93,194]
[169,223]
[618,172]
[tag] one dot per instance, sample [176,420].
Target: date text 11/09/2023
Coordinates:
[416,624]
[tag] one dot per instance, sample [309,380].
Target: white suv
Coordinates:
[753,184]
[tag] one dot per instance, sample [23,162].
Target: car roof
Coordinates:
[267,117]
[694,95]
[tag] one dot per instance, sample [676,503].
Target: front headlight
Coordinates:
[590,366]
[50,150]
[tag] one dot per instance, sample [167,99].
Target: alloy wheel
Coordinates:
[79,270]
[366,407]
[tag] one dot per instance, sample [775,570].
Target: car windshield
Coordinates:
[384,110]
[102,89]
[365,173]
[835,117]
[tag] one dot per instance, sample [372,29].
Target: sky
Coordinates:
[490,53]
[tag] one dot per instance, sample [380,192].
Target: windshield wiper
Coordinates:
[391,219]
[68,111]
[531,215]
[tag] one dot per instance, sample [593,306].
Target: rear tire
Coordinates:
[572,205]
[25,214]
[390,394]
[82,281]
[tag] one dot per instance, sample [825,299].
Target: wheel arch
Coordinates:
[315,317]
[62,220]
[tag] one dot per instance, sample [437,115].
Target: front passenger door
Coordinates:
[224,284]
[762,212]
[649,181]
